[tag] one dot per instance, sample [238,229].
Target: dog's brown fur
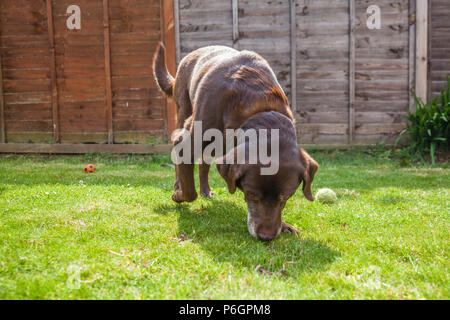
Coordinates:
[228,89]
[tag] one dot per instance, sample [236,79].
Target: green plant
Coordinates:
[428,126]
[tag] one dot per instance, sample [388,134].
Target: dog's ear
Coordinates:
[310,168]
[230,172]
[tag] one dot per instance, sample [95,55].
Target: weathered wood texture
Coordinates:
[78,148]
[439,51]
[80,65]
[52,65]
[293,44]
[382,72]
[169,34]
[323,71]
[102,81]
[412,54]
[422,44]
[331,107]
[137,104]
[364,92]
[2,101]
[203,23]
[351,70]
[26,71]
[107,50]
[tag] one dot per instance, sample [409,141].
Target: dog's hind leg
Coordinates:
[184,187]
[184,119]
[178,89]
[205,190]
[186,191]
[176,139]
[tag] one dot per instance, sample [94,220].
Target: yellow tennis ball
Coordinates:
[326,195]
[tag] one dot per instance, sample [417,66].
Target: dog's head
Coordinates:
[266,195]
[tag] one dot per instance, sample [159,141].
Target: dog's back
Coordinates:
[243,79]
[250,80]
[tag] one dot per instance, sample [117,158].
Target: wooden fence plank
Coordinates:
[351,81]
[2,104]
[235,16]
[421,49]
[176,20]
[162,27]
[107,48]
[76,148]
[412,53]
[429,46]
[438,46]
[168,32]
[380,71]
[293,56]
[52,61]
[2,99]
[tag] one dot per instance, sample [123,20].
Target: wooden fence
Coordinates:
[439,45]
[348,81]
[92,84]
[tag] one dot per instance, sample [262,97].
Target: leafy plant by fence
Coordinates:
[428,127]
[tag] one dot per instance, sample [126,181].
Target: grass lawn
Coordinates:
[115,233]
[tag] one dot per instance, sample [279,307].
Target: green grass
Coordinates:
[386,238]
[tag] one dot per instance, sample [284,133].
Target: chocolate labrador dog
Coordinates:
[229,89]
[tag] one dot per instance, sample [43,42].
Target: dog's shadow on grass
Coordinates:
[220,228]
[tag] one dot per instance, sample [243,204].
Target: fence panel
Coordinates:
[439,46]
[25,61]
[138,106]
[80,69]
[80,72]
[381,72]
[322,71]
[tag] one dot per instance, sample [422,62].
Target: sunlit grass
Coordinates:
[115,233]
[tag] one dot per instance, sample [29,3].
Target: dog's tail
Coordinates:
[163,78]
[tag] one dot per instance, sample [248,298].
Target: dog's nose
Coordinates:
[265,236]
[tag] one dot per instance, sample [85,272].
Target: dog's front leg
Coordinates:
[205,189]
[185,184]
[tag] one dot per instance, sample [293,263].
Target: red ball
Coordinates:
[89,168]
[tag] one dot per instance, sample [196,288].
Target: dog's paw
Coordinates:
[207,193]
[179,197]
[289,229]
